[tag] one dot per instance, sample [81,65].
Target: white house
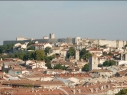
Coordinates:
[42,46]
[63,52]
[19,46]
[35,64]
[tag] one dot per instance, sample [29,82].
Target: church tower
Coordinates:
[93,62]
[77,55]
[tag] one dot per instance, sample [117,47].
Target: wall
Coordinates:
[112,43]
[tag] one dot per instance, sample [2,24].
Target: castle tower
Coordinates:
[77,54]
[93,62]
[51,36]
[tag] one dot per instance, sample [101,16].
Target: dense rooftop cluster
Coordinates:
[85,67]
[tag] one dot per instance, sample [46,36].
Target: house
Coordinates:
[19,46]
[97,52]
[92,89]
[35,64]
[37,84]
[101,73]
[80,47]
[73,68]
[55,71]
[16,70]
[63,52]
[81,63]
[29,91]
[42,46]
[121,73]
[6,64]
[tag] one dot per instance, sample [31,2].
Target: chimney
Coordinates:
[91,89]
[74,91]
[101,87]
[79,90]
[104,87]
[96,89]
[109,86]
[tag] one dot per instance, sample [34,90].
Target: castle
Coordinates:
[75,40]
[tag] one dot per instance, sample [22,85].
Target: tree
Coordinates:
[31,48]
[59,66]
[105,53]
[30,43]
[48,61]
[110,54]
[122,92]
[125,45]
[109,63]
[21,55]
[31,55]
[47,50]
[86,67]
[6,48]
[48,65]
[85,54]
[39,55]
[70,52]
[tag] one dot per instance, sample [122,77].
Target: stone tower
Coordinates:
[125,57]
[51,36]
[93,62]
[77,54]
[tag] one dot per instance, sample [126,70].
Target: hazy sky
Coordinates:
[86,19]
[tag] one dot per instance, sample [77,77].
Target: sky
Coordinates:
[86,19]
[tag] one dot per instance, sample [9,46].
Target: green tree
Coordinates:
[47,50]
[122,92]
[59,66]
[31,55]
[48,65]
[16,54]
[31,48]
[6,48]
[48,61]
[39,55]
[70,52]
[86,67]
[109,63]
[85,54]
[125,45]
[21,55]
[110,54]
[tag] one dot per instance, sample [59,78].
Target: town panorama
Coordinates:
[63,66]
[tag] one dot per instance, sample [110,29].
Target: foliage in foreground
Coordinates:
[122,92]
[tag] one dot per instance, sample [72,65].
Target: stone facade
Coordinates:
[93,62]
